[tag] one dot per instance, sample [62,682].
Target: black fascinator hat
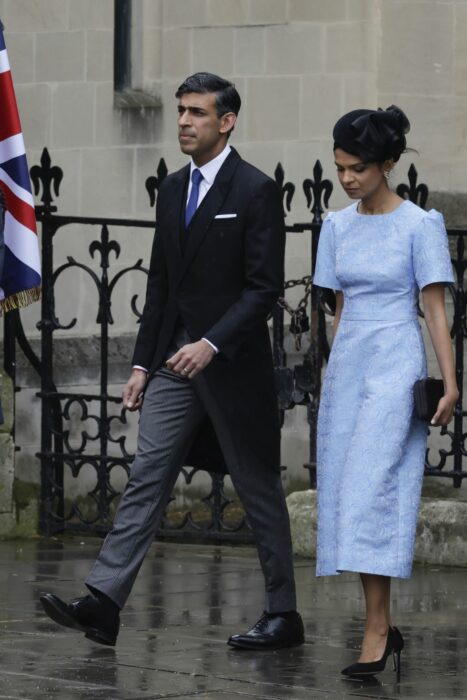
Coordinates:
[372,135]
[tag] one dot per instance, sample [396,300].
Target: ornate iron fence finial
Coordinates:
[317,190]
[418,194]
[47,176]
[153,183]
[287,189]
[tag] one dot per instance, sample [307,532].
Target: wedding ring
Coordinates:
[184,370]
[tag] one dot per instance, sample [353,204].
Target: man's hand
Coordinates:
[191,359]
[133,390]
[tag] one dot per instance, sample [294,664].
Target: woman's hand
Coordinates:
[445,409]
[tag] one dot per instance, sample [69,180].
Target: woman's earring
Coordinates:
[387,174]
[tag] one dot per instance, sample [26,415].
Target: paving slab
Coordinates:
[186,602]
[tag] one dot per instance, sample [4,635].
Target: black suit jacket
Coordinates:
[222,288]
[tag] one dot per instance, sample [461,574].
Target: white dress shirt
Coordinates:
[209,172]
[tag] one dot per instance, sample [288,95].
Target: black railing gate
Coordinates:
[103,450]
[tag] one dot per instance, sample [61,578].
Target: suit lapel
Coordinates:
[176,211]
[208,208]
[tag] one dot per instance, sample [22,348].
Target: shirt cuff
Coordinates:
[141,368]
[216,350]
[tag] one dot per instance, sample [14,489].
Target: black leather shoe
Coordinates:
[272,631]
[86,614]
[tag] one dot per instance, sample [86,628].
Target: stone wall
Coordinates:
[19,500]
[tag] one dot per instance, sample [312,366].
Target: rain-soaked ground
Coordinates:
[187,600]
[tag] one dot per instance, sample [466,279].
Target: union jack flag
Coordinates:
[20,278]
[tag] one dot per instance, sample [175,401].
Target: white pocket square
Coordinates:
[225,216]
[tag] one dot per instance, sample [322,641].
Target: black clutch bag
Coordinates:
[427,393]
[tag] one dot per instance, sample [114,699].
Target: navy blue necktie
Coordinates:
[196,177]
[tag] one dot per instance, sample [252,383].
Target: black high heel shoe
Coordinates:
[394,646]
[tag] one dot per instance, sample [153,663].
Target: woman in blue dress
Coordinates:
[377,254]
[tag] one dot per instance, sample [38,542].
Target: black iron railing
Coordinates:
[104,448]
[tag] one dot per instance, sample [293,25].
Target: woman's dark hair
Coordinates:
[373,135]
[227,97]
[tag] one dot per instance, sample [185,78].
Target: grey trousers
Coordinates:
[170,416]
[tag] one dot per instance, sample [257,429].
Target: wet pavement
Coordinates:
[187,600]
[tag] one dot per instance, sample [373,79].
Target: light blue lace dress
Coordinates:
[371,447]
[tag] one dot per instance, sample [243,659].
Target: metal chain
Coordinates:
[306,282]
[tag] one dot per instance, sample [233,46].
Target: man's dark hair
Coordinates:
[227,97]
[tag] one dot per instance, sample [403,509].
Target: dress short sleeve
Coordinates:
[431,258]
[325,271]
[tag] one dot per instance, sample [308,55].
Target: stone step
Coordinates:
[441,530]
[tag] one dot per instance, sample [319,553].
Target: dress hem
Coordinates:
[363,570]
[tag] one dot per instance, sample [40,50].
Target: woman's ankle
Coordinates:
[378,627]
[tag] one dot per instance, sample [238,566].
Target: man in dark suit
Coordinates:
[203,350]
